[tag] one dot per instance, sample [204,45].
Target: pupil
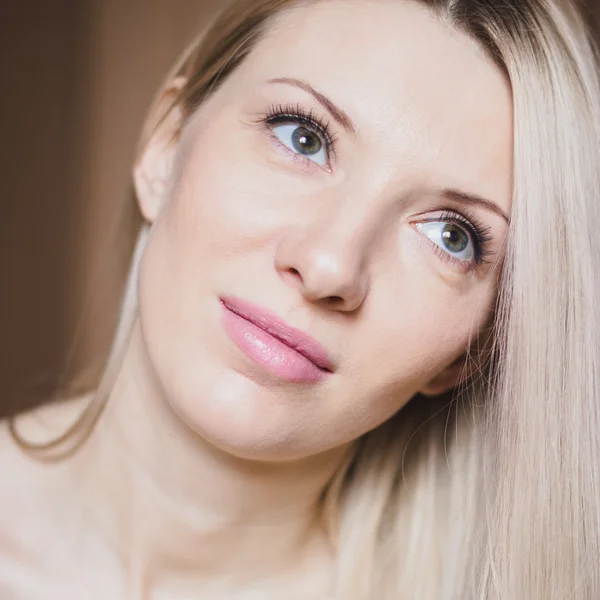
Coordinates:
[305,141]
[455,238]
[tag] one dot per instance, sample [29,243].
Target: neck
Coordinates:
[182,510]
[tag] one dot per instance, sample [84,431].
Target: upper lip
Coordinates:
[294,338]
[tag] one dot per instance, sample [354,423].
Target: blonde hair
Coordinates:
[493,493]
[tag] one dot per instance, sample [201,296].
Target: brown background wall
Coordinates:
[76,79]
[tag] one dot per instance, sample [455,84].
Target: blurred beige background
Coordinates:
[77,77]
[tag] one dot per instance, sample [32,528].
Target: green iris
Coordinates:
[455,239]
[305,141]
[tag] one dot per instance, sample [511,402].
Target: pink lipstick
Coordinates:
[268,340]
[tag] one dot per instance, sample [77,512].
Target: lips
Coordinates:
[295,339]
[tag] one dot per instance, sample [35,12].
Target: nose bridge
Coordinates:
[348,231]
[356,214]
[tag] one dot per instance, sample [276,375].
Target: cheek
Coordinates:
[408,346]
[227,206]
[445,322]
[218,210]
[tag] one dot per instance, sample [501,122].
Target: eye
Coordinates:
[450,237]
[301,140]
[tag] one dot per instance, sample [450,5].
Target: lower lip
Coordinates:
[268,351]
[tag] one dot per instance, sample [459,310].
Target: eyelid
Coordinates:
[297,113]
[478,233]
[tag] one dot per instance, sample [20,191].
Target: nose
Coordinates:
[325,264]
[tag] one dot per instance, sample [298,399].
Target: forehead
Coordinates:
[417,88]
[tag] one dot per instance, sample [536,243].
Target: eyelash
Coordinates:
[296,113]
[478,232]
[278,114]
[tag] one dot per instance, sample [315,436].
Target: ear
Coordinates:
[154,164]
[456,373]
[472,361]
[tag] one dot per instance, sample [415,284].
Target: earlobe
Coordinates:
[452,376]
[467,365]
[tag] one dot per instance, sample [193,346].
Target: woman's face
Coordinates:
[352,178]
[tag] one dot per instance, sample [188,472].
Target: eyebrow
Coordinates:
[346,122]
[463,197]
[336,112]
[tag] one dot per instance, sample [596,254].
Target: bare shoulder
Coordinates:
[27,480]
[29,490]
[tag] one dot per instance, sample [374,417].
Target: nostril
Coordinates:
[295,273]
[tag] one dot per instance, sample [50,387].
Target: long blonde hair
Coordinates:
[494,492]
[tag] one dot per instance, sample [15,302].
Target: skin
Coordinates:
[201,479]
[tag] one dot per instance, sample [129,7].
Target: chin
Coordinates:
[236,415]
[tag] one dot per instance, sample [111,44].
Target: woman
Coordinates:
[358,352]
